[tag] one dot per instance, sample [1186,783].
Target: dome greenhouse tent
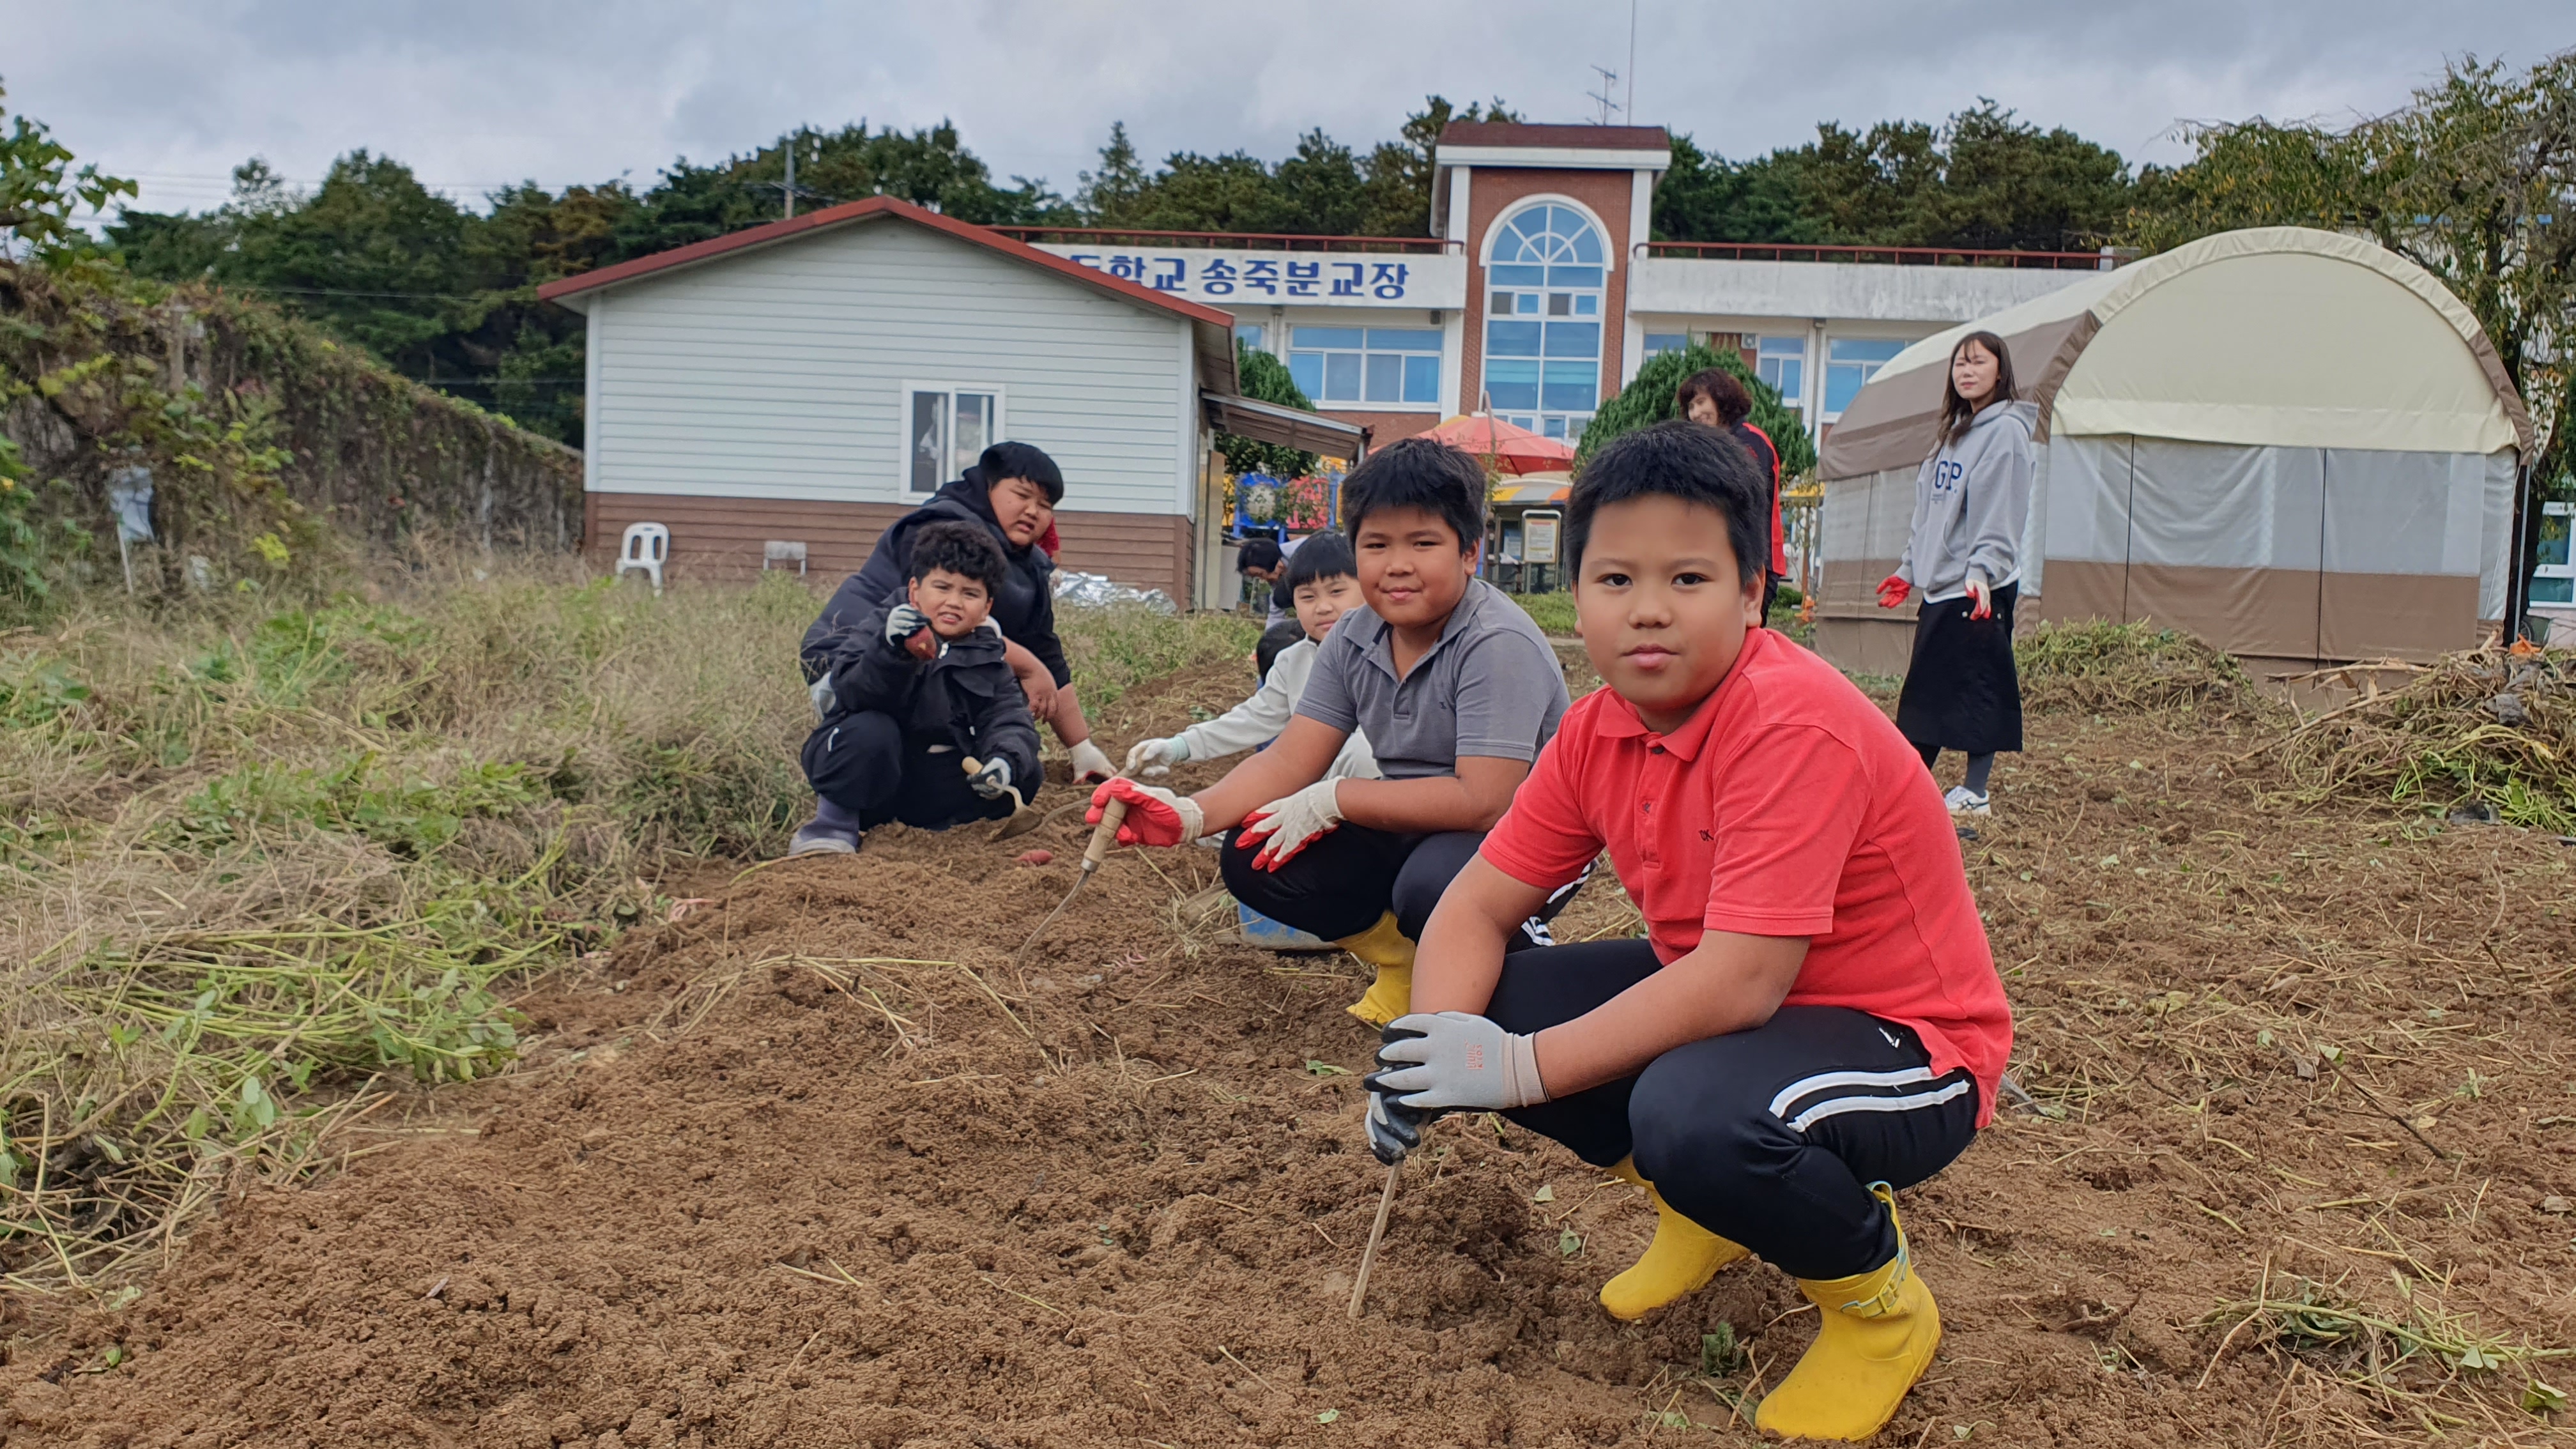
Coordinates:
[2294,443]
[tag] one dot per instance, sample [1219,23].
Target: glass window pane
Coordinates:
[929,440]
[1518,276]
[1788,376]
[1530,303]
[1574,339]
[1574,276]
[1342,376]
[1306,369]
[1499,304]
[1560,304]
[1385,377]
[1250,334]
[1381,339]
[974,430]
[1863,349]
[1587,246]
[2553,591]
[2553,540]
[1512,339]
[1658,343]
[1587,305]
[1842,384]
[1572,386]
[1512,384]
[1422,379]
[1553,428]
[1325,337]
[1791,346]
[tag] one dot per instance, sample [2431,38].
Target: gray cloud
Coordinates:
[475,93]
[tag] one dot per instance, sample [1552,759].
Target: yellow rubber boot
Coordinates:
[1878,1332]
[1387,949]
[1679,1262]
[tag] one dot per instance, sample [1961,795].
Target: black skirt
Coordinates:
[1961,692]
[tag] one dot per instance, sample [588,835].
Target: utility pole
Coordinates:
[1632,62]
[792,138]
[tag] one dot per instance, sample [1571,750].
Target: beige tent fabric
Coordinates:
[2195,340]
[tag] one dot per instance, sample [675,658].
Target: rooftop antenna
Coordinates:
[1609,87]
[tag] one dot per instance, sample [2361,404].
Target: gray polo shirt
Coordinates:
[1491,687]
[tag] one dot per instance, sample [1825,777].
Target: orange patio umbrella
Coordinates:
[1513,449]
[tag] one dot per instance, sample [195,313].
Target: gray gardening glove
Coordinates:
[824,698]
[902,622]
[1449,1060]
[993,781]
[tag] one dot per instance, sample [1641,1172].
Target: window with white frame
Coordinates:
[1366,366]
[1782,362]
[2553,570]
[946,427]
[1252,335]
[1850,362]
[1543,301]
[1659,343]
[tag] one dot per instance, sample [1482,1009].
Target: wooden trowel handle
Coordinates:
[1105,835]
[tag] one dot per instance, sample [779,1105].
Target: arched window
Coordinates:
[1543,320]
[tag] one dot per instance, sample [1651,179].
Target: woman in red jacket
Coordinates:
[1716,397]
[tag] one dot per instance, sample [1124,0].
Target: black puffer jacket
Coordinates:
[966,697]
[1025,608]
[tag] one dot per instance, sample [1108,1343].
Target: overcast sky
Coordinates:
[476,93]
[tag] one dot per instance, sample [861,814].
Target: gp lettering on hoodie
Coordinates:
[1947,474]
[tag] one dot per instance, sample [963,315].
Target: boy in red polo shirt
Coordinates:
[1813,1020]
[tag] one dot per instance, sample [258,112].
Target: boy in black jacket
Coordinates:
[916,690]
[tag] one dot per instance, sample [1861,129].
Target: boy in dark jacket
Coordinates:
[916,688]
[1011,494]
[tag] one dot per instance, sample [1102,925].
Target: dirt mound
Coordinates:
[813,1165]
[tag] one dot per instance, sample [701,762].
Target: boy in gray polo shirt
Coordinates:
[1456,690]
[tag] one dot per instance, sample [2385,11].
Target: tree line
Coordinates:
[2472,178]
[445,291]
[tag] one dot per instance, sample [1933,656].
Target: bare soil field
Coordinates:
[812,1164]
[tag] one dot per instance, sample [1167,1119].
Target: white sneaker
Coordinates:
[1964,801]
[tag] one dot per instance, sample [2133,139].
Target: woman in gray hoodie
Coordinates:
[1971,503]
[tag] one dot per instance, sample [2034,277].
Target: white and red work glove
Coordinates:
[1984,594]
[1445,1061]
[1155,816]
[1291,823]
[1090,764]
[1893,590]
[1153,757]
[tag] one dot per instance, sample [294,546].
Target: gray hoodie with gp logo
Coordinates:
[1971,501]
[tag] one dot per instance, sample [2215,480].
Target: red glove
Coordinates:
[1984,594]
[1155,816]
[1893,590]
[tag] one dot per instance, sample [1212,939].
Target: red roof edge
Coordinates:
[850,211]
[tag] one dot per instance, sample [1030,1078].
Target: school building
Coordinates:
[784,392]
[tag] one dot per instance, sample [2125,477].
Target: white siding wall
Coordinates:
[776,373]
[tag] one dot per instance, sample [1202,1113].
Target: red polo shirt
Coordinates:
[1787,805]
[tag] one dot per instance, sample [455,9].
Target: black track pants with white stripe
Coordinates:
[1770,1136]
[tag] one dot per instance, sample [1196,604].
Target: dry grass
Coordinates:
[2489,732]
[2099,668]
[262,860]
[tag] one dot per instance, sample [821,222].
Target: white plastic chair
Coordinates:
[646,546]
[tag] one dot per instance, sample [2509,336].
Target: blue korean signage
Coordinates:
[1282,279]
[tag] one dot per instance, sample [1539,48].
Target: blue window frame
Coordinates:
[1851,362]
[1549,263]
[1366,367]
[1782,362]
